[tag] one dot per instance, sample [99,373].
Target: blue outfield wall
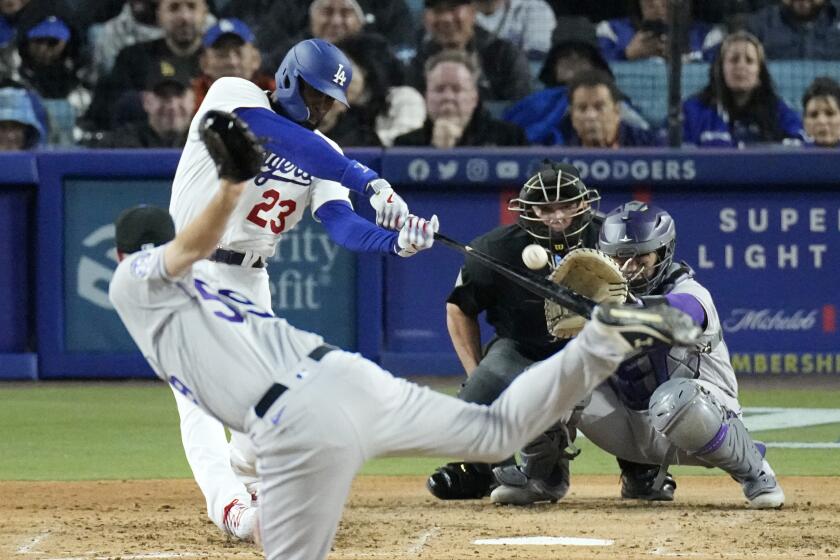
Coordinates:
[759,227]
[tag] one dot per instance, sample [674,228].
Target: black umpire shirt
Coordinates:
[513,311]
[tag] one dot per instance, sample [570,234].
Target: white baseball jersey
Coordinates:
[180,324]
[276,198]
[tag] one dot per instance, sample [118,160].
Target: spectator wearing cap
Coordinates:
[229,51]
[451,24]
[51,66]
[644,34]
[821,112]
[797,29]
[390,18]
[115,98]
[168,101]
[20,128]
[525,23]
[574,50]
[136,23]
[455,115]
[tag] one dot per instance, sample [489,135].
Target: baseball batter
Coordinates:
[682,401]
[315,413]
[303,172]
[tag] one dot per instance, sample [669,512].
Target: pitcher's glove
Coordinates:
[590,273]
[236,151]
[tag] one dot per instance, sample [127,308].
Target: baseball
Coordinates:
[534,257]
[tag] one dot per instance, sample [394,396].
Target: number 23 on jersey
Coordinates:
[261,214]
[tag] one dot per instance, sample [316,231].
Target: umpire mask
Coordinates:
[555,207]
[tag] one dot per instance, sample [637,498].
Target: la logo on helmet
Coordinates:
[340,76]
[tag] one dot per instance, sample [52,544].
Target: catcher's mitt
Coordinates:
[590,273]
[235,149]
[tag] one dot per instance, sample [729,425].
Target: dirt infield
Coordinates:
[394,518]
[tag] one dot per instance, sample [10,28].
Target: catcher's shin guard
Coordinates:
[543,475]
[692,420]
[461,481]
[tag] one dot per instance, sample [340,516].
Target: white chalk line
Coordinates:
[421,541]
[144,556]
[27,547]
[545,541]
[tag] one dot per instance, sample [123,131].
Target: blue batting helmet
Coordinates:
[635,229]
[321,65]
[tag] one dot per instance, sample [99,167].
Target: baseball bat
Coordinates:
[534,283]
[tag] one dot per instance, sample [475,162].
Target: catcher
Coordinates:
[673,405]
[557,211]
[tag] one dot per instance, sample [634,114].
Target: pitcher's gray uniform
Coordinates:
[673,405]
[316,414]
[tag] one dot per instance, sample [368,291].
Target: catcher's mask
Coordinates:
[635,229]
[321,65]
[556,183]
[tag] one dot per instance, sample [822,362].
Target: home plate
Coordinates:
[546,541]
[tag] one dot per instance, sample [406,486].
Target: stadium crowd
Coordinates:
[443,73]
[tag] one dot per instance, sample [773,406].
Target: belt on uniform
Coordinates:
[234,257]
[276,390]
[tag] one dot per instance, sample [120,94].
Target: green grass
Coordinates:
[129,430]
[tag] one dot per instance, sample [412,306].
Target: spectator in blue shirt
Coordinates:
[20,127]
[594,119]
[821,112]
[739,106]
[575,50]
[644,35]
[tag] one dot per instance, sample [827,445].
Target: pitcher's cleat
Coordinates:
[643,327]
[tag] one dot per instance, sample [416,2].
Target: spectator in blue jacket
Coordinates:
[594,118]
[796,29]
[821,112]
[575,50]
[644,35]
[739,106]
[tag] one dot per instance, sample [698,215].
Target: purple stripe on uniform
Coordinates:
[687,303]
[716,442]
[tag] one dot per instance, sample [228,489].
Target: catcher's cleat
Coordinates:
[517,489]
[461,481]
[642,328]
[240,520]
[637,483]
[764,492]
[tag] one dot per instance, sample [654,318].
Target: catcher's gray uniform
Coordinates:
[616,418]
[316,414]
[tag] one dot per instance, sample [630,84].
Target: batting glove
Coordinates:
[417,234]
[391,209]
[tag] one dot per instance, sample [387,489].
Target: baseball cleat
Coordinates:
[240,520]
[637,484]
[517,489]
[764,492]
[643,327]
[461,481]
